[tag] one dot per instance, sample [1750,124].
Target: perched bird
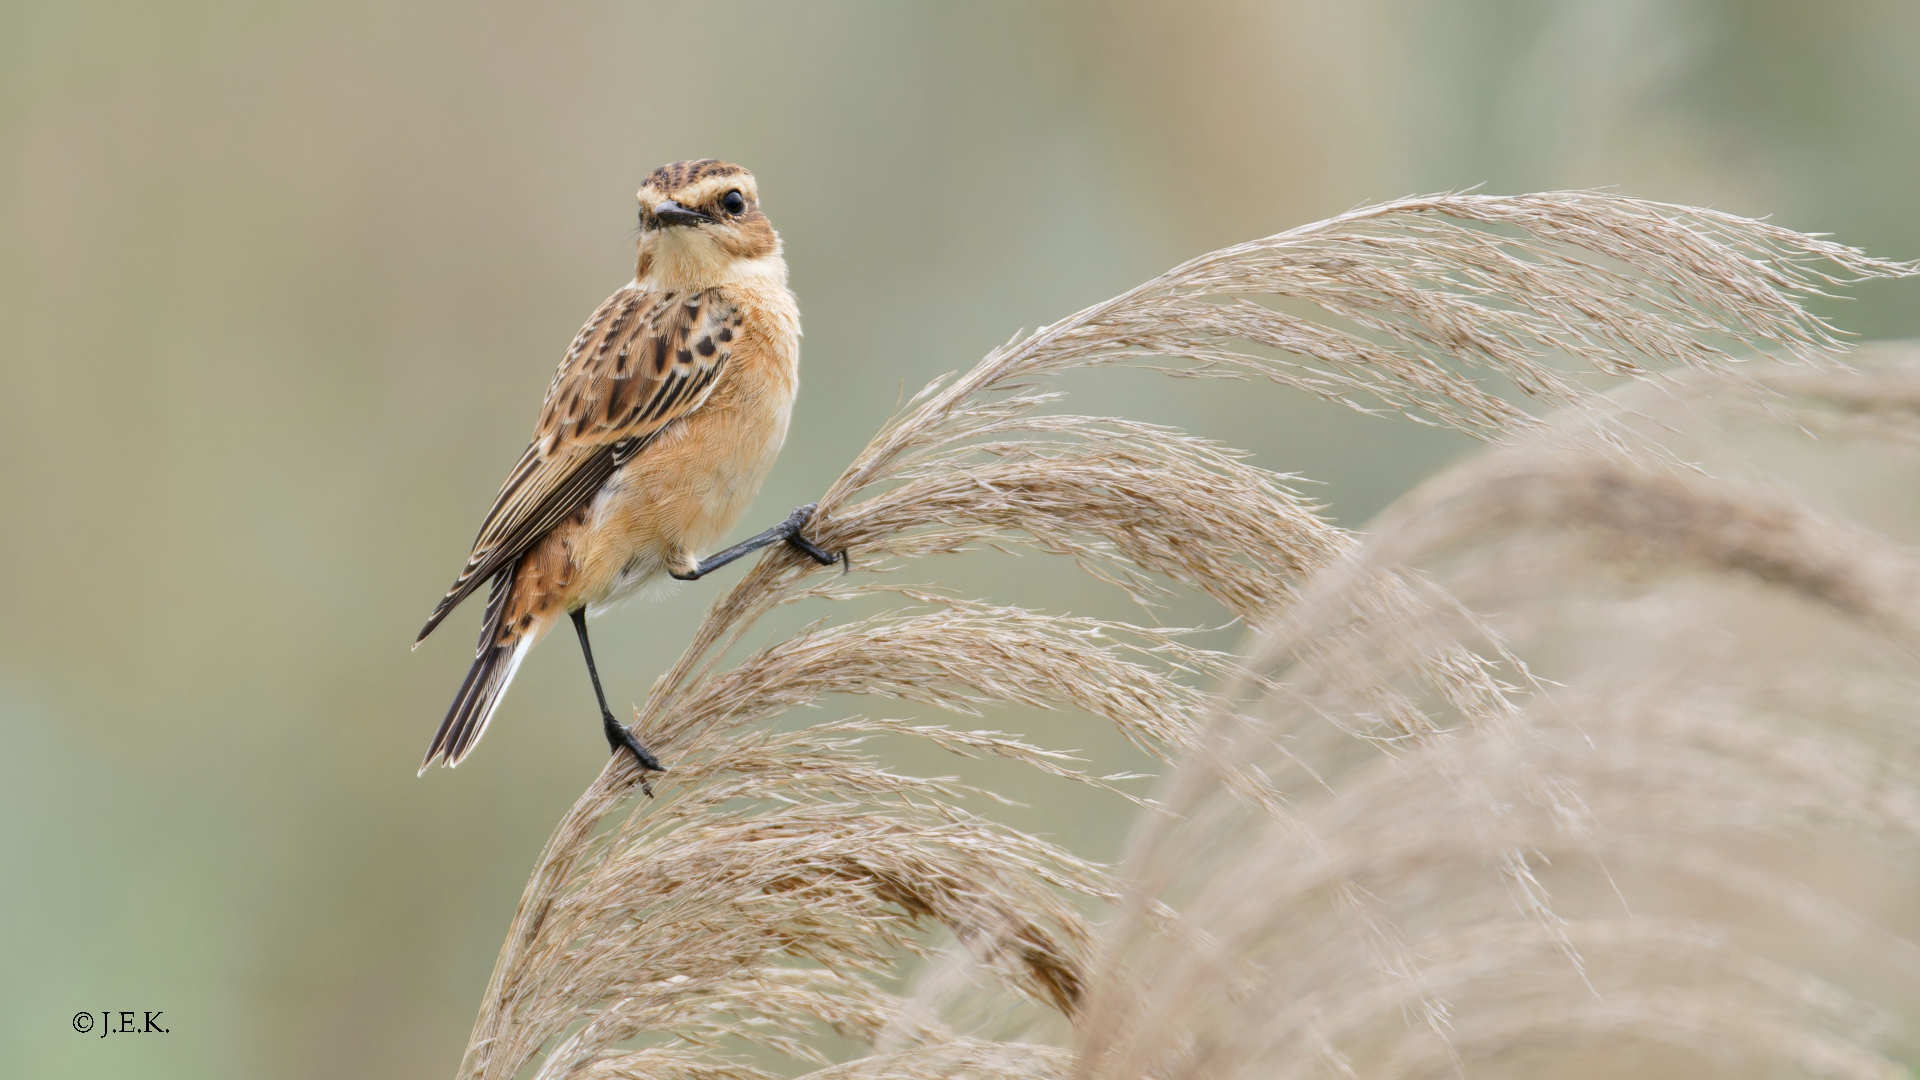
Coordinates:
[665,415]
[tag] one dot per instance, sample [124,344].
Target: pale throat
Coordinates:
[683,262]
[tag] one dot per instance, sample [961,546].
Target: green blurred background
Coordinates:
[281,286]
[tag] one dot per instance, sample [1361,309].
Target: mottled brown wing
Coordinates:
[642,361]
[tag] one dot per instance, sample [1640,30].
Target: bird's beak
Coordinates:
[672,213]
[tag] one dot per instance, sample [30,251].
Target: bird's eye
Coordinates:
[734,202]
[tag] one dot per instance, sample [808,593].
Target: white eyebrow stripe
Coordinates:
[696,194]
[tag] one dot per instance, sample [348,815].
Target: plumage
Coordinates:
[665,414]
[602,407]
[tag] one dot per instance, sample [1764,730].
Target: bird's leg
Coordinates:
[618,735]
[788,530]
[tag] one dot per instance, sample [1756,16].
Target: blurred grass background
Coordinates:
[281,286]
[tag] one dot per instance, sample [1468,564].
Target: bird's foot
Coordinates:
[797,521]
[620,737]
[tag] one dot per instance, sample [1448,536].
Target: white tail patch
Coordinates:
[494,693]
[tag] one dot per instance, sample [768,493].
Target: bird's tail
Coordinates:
[495,661]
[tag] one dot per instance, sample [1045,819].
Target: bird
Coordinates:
[665,415]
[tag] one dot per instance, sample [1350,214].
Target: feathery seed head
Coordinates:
[700,221]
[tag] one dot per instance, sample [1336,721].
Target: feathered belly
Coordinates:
[678,499]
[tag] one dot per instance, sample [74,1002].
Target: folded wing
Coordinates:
[643,360]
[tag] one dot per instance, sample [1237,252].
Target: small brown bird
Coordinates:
[665,415]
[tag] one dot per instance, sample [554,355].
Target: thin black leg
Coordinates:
[788,530]
[618,735]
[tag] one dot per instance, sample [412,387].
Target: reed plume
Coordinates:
[753,920]
[1693,851]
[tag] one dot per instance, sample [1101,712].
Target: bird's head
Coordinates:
[701,226]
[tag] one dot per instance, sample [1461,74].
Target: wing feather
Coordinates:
[644,360]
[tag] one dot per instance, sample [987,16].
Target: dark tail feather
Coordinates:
[462,589]
[485,684]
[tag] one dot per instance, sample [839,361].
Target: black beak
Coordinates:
[672,213]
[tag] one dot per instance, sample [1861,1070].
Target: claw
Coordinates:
[620,737]
[797,521]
